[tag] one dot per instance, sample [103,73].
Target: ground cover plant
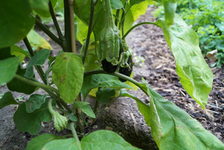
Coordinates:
[102,67]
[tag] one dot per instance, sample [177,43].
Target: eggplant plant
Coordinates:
[101,66]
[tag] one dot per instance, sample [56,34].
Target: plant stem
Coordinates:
[38,68]
[126,78]
[75,135]
[122,22]
[89,30]
[47,88]
[53,16]
[132,28]
[138,84]
[117,17]
[48,32]
[37,84]
[94,72]
[69,26]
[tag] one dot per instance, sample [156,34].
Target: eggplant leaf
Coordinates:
[170,124]
[195,75]
[103,81]
[68,72]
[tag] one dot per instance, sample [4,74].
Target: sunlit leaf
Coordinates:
[19,52]
[68,72]
[170,124]
[38,42]
[133,13]
[195,75]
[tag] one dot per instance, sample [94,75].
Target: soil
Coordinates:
[155,63]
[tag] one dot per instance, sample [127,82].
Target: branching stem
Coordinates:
[132,28]
[48,32]
[53,16]
[90,29]
[38,68]
[37,84]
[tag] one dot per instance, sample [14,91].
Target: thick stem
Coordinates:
[53,16]
[90,29]
[50,90]
[38,68]
[37,84]
[48,32]
[72,127]
[69,26]
[133,27]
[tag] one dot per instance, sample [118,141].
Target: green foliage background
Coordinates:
[207,19]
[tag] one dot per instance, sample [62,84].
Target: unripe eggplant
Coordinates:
[108,50]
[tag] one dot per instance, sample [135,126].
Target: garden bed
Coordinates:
[155,63]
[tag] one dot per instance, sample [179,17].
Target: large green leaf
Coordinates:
[105,140]
[103,81]
[172,128]
[31,122]
[98,140]
[195,75]
[64,144]
[7,99]
[68,74]
[8,69]
[38,142]
[16,21]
